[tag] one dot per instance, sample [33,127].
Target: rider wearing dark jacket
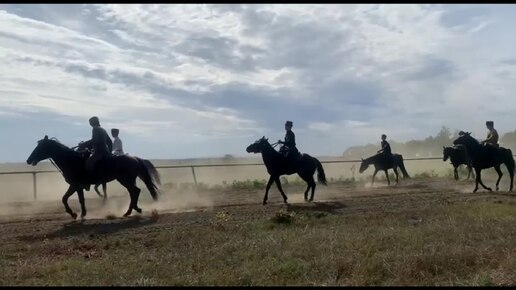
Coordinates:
[386,147]
[289,145]
[100,142]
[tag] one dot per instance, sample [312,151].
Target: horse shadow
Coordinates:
[100,228]
[317,207]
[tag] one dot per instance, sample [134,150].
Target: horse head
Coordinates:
[41,152]
[363,166]
[446,152]
[466,140]
[258,145]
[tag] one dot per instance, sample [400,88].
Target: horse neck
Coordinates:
[472,147]
[61,156]
[370,160]
[269,154]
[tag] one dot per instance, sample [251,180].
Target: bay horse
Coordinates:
[381,162]
[123,168]
[278,165]
[487,156]
[458,155]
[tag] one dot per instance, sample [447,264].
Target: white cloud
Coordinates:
[220,72]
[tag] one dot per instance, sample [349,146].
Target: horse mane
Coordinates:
[59,144]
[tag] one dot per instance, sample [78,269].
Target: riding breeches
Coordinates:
[93,160]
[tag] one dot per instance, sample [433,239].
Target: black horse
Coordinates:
[123,168]
[278,165]
[382,162]
[458,155]
[487,156]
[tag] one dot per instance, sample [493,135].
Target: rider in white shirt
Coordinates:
[117,143]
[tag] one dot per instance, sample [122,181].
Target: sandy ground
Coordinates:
[46,219]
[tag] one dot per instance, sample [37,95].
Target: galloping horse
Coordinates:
[487,156]
[278,165]
[381,162]
[123,168]
[458,155]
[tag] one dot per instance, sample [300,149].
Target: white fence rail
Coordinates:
[192,167]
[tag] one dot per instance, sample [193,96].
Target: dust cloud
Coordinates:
[177,190]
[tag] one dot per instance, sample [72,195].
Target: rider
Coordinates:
[117,143]
[289,145]
[100,143]
[386,147]
[492,135]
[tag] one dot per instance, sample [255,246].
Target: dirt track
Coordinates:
[51,221]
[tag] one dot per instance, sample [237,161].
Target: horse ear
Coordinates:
[362,159]
[46,137]
[444,147]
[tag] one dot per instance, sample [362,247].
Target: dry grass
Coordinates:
[447,244]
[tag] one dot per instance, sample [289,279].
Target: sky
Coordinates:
[197,80]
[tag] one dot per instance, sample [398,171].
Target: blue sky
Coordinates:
[197,80]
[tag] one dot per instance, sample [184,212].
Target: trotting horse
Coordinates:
[381,162]
[487,156]
[278,165]
[458,155]
[123,168]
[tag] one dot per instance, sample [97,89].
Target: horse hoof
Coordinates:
[285,201]
[74,215]
[264,203]
[311,199]
[139,210]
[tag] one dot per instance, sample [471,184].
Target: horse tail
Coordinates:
[321,177]
[150,176]
[402,167]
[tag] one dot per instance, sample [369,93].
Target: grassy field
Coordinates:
[418,238]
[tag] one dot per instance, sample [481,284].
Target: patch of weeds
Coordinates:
[284,217]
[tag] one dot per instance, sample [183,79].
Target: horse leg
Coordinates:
[374,174]
[104,189]
[97,190]
[136,196]
[387,175]
[396,172]
[278,183]
[309,179]
[479,180]
[269,183]
[312,184]
[130,188]
[307,188]
[80,193]
[500,174]
[67,195]
[456,173]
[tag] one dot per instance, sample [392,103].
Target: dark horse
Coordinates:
[278,165]
[487,156]
[381,162]
[458,155]
[123,168]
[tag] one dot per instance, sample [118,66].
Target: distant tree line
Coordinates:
[431,146]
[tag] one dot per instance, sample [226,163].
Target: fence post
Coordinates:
[194,177]
[34,186]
